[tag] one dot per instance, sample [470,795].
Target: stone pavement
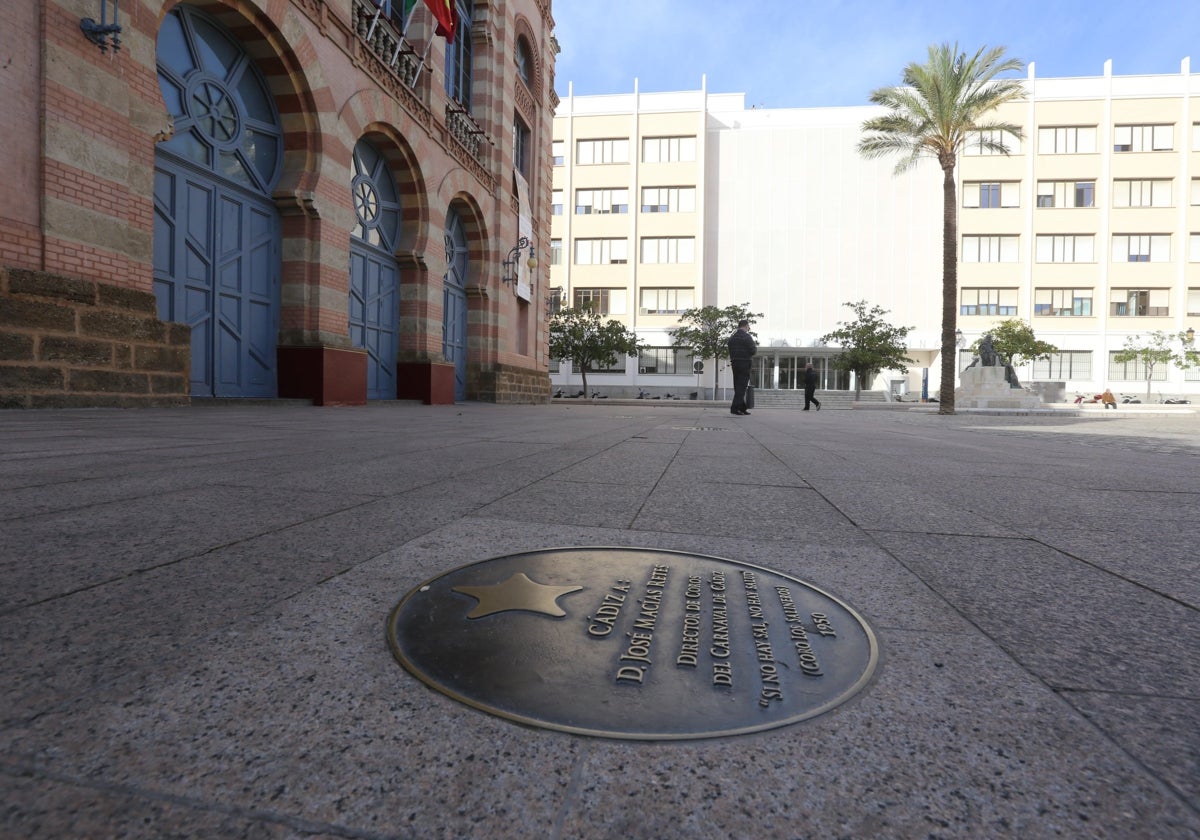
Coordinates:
[193,605]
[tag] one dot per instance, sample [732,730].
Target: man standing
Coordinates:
[810,387]
[741,350]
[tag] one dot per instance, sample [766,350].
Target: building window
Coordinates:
[1063,365]
[555,252]
[987,302]
[668,199]
[988,142]
[588,152]
[458,58]
[1067,140]
[1139,193]
[664,360]
[1062,302]
[1133,370]
[556,300]
[588,202]
[666,301]
[521,145]
[617,366]
[1066,194]
[1194,247]
[556,202]
[1139,303]
[1196,143]
[991,194]
[668,149]
[989,249]
[600,301]
[1127,247]
[524,60]
[668,249]
[1143,138]
[1065,248]
[1193,303]
[601,251]
[558,150]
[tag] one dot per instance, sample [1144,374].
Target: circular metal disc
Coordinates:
[633,643]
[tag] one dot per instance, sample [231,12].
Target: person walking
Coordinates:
[810,387]
[741,350]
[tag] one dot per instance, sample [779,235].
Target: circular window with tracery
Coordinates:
[213,111]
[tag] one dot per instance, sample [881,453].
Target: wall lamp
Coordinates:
[1190,336]
[959,339]
[514,254]
[100,33]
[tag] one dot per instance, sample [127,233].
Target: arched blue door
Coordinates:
[374,281]
[454,302]
[216,231]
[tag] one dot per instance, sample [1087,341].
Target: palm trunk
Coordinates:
[949,287]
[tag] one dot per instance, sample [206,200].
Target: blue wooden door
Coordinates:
[454,302]
[216,231]
[374,279]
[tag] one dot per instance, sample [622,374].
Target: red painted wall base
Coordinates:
[325,375]
[430,382]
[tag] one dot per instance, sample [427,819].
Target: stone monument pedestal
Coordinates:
[985,387]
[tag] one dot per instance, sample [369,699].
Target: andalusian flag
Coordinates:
[445,12]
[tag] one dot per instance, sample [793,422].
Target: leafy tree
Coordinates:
[869,345]
[1014,340]
[706,331]
[1154,350]
[580,336]
[939,107]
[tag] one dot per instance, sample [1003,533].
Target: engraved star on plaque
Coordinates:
[516,593]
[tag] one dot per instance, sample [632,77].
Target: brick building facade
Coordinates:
[274,198]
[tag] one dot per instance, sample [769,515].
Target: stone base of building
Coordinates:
[326,375]
[509,384]
[72,343]
[985,387]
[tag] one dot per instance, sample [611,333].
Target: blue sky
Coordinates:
[807,53]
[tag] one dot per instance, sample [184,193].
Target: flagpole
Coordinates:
[421,65]
[378,4]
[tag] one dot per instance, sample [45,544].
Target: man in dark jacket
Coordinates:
[741,350]
[810,388]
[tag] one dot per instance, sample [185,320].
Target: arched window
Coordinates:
[524,59]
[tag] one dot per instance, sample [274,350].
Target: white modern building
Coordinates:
[1089,230]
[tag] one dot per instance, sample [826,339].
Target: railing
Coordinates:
[385,41]
[463,128]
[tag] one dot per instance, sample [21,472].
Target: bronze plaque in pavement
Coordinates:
[633,643]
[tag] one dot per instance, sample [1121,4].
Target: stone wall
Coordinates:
[508,384]
[69,343]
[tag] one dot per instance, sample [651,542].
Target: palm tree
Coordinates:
[940,106]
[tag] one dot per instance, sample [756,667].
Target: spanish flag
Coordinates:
[445,12]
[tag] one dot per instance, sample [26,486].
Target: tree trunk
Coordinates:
[583,374]
[949,288]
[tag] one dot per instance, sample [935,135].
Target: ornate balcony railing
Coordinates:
[383,40]
[463,128]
